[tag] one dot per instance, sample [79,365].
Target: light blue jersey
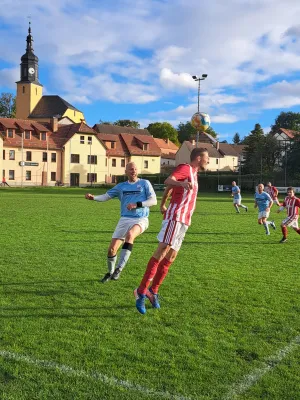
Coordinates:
[235,192]
[132,192]
[263,200]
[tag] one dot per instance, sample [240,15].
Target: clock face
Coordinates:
[31,71]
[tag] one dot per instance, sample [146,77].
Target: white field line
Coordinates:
[249,380]
[94,375]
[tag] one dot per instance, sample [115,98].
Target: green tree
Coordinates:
[163,130]
[236,138]
[287,120]
[105,122]
[293,160]
[7,105]
[187,131]
[127,123]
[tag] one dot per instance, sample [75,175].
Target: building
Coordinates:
[223,156]
[168,152]
[30,102]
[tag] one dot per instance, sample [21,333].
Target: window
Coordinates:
[11,175]
[146,164]
[11,154]
[122,163]
[74,113]
[145,146]
[53,157]
[23,89]
[36,91]
[3,154]
[44,156]
[53,176]
[217,161]
[43,136]
[114,162]
[92,178]
[10,133]
[112,145]
[27,135]
[105,161]
[75,158]
[92,160]
[90,139]
[81,139]
[28,175]
[28,155]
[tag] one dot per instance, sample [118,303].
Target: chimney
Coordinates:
[218,145]
[54,123]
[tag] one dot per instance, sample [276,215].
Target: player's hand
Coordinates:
[89,196]
[131,206]
[187,185]
[163,209]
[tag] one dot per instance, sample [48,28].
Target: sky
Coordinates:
[134,59]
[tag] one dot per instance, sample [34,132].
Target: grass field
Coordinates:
[229,326]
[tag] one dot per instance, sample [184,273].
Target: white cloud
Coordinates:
[8,77]
[176,82]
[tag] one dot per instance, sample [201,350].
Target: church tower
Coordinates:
[29,89]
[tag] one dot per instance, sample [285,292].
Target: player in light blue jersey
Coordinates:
[237,198]
[136,196]
[264,203]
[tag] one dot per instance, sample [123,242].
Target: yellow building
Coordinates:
[30,102]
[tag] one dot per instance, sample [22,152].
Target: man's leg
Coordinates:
[236,206]
[133,232]
[163,269]
[111,258]
[266,225]
[244,207]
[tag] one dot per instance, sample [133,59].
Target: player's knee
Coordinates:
[259,222]
[112,251]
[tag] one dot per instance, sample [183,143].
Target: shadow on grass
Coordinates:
[47,282]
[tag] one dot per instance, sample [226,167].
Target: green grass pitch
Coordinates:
[228,327]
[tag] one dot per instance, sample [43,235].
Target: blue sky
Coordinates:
[133,59]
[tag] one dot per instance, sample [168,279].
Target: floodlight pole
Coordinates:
[198,80]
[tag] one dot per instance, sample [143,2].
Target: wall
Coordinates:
[74,115]
[153,164]
[25,102]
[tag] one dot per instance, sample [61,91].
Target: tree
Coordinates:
[105,122]
[187,131]
[7,105]
[163,130]
[236,139]
[287,120]
[127,123]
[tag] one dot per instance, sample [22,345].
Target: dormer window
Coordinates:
[43,136]
[10,133]
[27,135]
[145,146]
[112,145]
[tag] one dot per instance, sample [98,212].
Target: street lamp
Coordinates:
[197,79]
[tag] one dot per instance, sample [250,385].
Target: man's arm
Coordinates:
[172,181]
[101,197]
[270,206]
[167,193]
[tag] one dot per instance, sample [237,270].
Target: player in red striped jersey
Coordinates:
[292,204]
[182,184]
[273,192]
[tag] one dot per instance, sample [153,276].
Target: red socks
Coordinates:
[155,271]
[160,275]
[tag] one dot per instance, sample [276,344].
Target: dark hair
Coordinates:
[290,188]
[198,151]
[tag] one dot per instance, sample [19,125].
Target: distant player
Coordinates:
[273,192]
[183,184]
[237,198]
[292,204]
[264,203]
[136,196]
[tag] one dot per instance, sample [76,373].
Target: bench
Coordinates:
[159,186]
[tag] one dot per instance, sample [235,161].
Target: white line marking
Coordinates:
[64,369]
[258,373]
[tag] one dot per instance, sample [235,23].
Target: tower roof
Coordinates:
[29,55]
[50,106]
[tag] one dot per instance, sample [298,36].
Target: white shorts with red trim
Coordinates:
[291,221]
[172,233]
[125,224]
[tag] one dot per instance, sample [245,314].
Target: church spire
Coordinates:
[29,40]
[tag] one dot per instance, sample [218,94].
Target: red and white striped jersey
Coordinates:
[272,191]
[183,202]
[292,205]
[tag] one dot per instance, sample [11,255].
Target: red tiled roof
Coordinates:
[120,149]
[212,151]
[166,146]
[134,149]
[22,124]
[291,134]
[170,156]
[231,149]
[117,130]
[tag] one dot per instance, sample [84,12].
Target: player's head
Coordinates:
[260,187]
[199,157]
[269,184]
[233,183]
[131,171]
[290,191]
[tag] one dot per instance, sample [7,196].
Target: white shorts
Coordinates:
[237,201]
[172,233]
[263,214]
[125,224]
[291,221]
